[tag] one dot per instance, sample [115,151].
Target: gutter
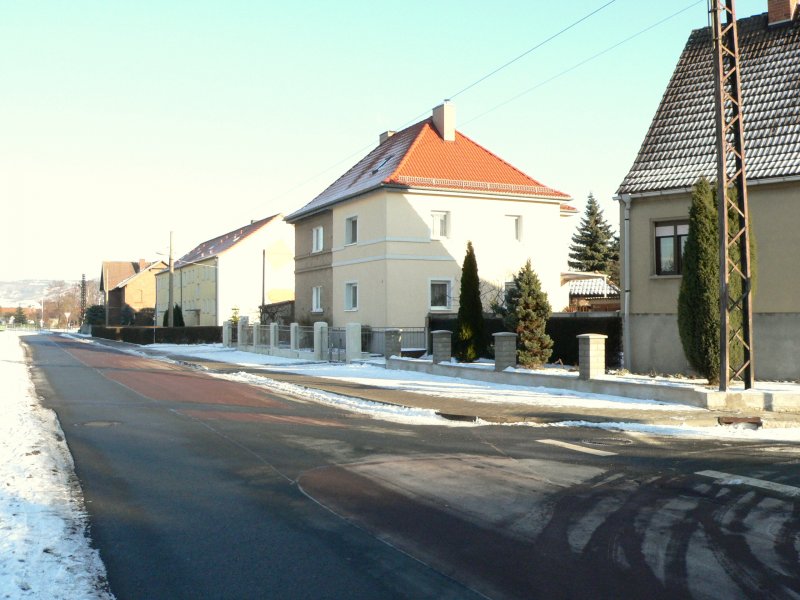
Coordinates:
[626,280]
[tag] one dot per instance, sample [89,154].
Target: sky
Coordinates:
[121,122]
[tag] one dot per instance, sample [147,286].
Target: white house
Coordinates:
[232,271]
[384,244]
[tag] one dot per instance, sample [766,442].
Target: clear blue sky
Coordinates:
[121,121]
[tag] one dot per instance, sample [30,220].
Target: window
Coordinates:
[351,230]
[351,295]
[440,294]
[316,239]
[514,227]
[316,299]
[670,242]
[440,225]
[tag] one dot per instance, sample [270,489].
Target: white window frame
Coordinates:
[351,230]
[317,239]
[516,226]
[316,299]
[439,280]
[437,218]
[349,305]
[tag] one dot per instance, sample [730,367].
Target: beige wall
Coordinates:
[775,214]
[395,257]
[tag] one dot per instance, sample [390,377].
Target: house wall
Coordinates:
[313,268]
[655,345]
[209,290]
[240,271]
[395,257]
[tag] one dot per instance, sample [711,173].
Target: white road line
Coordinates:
[577,448]
[730,479]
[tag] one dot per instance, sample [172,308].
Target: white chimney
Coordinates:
[781,11]
[444,119]
[385,136]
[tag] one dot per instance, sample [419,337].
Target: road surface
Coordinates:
[199,487]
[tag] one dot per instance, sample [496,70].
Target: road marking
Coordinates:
[577,448]
[730,479]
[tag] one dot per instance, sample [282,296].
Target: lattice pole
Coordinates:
[736,316]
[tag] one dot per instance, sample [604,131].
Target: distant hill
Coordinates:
[29,292]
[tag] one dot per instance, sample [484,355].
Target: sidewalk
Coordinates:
[499,412]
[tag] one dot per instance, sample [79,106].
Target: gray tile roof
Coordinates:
[367,173]
[220,244]
[680,145]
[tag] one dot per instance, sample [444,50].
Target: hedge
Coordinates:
[563,328]
[207,334]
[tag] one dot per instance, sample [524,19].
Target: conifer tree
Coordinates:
[594,246]
[19,317]
[177,317]
[470,336]
[698,299]
[532,312]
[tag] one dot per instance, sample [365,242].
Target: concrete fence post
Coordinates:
[320,340]
[294,335]
[226,334]
[393,342]
[244,323]
[591,355]
[257,335]
[505,350]
[273,335]
[353,342]
[442,345]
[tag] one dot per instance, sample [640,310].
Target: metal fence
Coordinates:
[305,337]
[373,339]
[247,336]
[337,343]
[284,336]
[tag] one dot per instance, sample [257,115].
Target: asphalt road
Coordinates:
[198,487]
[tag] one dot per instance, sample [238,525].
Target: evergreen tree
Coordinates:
[19,317]
[594,246]
[532,312]
[95,315]
[177,317]
[698,299]
[470,339]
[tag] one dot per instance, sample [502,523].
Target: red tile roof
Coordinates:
[417,157]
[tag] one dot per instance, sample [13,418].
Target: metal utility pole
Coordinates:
[736,315]
[83,298]
[170,298]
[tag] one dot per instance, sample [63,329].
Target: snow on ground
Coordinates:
[421,383]
[44,550]
[434,385]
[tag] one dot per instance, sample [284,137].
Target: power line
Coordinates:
[513,60]
[536,47]
[583,62]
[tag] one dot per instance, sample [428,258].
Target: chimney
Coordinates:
[385,136]
[781,11]
[444,119]
[142,264]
